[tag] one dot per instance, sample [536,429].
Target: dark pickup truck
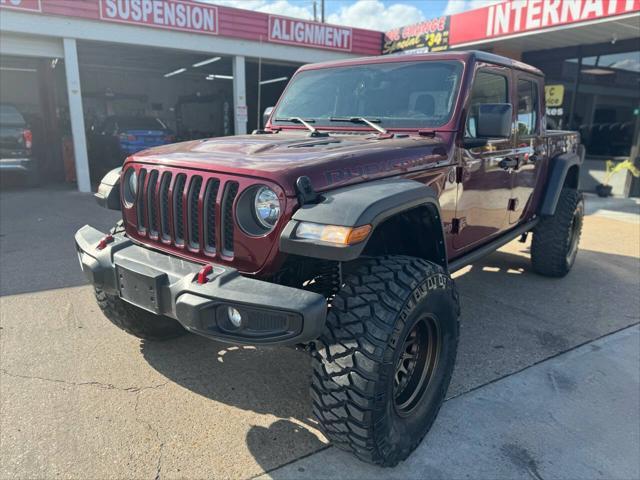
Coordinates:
[338,226]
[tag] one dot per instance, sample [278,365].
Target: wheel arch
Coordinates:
[564,171]
[400,211]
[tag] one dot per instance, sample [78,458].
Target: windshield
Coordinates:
[398,94]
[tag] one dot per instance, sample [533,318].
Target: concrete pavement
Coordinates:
[572,416]
[81,399]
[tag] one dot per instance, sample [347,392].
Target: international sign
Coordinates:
[429,36]
[312,34]
[172,14]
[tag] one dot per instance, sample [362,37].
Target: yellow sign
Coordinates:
[554,95]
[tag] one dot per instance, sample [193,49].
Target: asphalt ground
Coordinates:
[81,399]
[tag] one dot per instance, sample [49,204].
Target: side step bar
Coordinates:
[490,247]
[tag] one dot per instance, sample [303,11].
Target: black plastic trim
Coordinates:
[108,195]
[368,203]
[179,296]
[559,167]
[490,247]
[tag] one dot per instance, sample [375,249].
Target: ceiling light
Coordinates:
[175,72]
[220,77]
[206,62]
[598,71]
[274,80]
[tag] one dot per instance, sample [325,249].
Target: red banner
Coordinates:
[31,5]
[311,34]
[518,16]
[172,14]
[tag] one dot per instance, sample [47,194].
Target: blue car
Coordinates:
[120,136]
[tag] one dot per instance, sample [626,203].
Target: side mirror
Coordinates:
[494,120]
[266,115]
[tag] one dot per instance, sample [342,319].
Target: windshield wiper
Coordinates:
[371,122]
[314,131]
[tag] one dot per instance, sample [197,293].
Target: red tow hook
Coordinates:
[202,274]
[105,241]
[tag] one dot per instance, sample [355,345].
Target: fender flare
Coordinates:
[108,194]
[558,169]
[368,203]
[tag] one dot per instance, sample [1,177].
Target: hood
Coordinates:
[337,160]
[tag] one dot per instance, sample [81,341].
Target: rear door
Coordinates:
[530,147]
[484,187]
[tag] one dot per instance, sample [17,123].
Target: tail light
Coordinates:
[170,138]
[27,135]
[126,137]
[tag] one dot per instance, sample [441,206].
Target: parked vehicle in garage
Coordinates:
[338,227]
[16,143]
[119,136]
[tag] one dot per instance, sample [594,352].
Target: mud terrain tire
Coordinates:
[137,321]
[555,238]
[382,367]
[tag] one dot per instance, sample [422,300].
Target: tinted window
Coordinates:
[487,88]
[399,94]
[527,107]
[9,115]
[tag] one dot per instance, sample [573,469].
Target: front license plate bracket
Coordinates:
[140,285]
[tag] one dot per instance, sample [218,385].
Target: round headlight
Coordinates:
[133,183]
[130,183]
[267,207]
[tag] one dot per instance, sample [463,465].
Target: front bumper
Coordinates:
[166,285]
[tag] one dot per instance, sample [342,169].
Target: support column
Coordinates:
[239,96]
[76,114]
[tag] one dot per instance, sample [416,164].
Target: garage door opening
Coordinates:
[34,121]
[135,98]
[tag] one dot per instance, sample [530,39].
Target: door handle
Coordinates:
[507,163]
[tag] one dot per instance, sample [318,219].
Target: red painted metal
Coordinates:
[104,242]
[202,274]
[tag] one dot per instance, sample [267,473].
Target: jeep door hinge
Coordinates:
[459,173]
[455,226]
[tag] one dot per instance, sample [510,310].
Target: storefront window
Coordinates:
[607,106]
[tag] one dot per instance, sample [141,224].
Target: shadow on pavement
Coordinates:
[271,381]
[511,319]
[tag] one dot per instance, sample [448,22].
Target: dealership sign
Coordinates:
[503,19]
[311,34]
[31,5]
[172,14]
[429,36]
[517,17]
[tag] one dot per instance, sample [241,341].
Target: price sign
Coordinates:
[554,95]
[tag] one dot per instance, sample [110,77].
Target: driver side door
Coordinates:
[484,184]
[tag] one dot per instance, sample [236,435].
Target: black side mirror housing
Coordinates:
[266,114]
[494,120]
[108,195]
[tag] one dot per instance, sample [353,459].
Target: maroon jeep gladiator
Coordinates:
[338,226]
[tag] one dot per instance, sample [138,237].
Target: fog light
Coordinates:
[234,316]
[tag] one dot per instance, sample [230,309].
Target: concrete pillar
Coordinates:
[74,93]
[239,96]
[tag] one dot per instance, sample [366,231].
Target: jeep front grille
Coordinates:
[187,210]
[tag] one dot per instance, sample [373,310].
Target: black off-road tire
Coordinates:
[555,238]
[358,359]
[136,321]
